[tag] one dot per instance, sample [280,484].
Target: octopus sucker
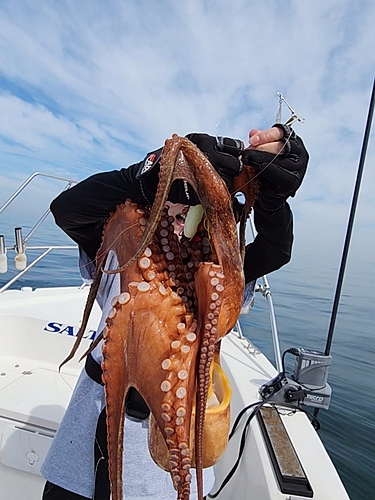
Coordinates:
[188,320]
[182,374]
[181,392]
[181,411]
[165,386]
[149,275]
[143,286]
[166,364]
[176,344]
[144,263]
[112,313]
[191,337]
[114,301]
[133,285]
[181,327]
[124,298]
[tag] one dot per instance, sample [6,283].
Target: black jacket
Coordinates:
[82,211]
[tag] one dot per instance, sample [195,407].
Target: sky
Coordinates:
[93,85]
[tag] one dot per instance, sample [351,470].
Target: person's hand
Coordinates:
[281,159]
[223,153]
[269,140]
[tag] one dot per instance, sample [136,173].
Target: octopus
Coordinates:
[179,297]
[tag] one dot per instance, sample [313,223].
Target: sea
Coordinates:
[303,294]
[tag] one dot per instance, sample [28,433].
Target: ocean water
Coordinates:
[303,295]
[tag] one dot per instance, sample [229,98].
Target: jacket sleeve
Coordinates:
[272,247]
[82,210]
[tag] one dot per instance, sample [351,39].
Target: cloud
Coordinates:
[94,86]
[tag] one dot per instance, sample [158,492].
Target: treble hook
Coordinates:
[294,117]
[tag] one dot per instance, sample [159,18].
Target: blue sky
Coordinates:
[89,85]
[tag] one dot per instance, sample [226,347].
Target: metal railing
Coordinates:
[265,290]
[21,243]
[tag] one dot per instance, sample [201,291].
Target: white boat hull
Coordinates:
[37,331]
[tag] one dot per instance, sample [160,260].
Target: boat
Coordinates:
[274,452]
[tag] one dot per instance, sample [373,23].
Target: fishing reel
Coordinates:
[307,385]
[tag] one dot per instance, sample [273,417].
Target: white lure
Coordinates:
[192,220]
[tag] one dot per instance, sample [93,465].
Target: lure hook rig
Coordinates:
[294,116]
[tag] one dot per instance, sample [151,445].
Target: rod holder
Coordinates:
[3,255]
[2,245]
[20,260]
[20,247]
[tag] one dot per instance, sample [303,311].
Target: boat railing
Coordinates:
[21,244]
[265,289]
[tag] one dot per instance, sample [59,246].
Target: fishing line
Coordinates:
[66,382]
[76,401]
[107,249]
[292,410]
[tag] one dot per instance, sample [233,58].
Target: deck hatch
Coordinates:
[287,466]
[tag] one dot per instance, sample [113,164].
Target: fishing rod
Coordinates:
[349,230]
[351,221]
[307,385]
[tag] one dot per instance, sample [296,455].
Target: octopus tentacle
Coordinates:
[93,344]
[87,311]
[166,178]
[209,296]
[248,184]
